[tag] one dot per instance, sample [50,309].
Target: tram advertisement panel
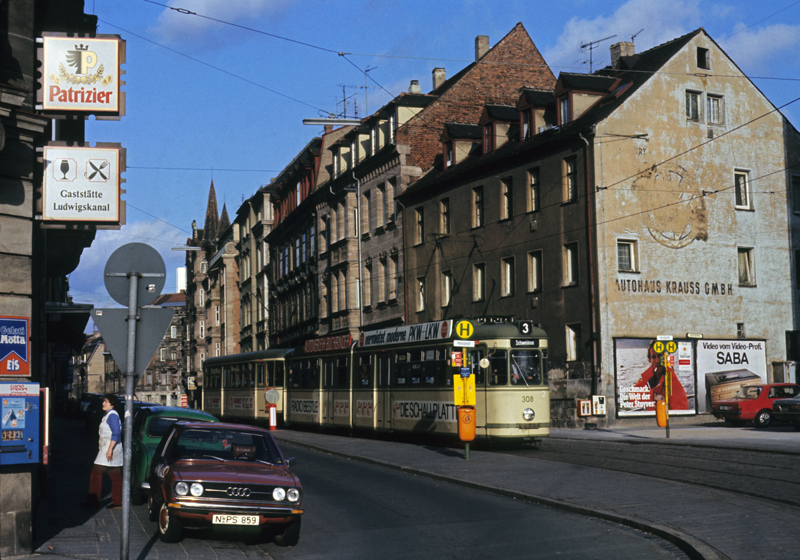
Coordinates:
[643,373]
[426,410]
[422,332]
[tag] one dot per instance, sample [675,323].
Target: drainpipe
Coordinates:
[590,243]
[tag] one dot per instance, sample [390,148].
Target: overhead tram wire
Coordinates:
[217,68]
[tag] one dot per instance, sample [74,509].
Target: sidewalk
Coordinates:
[705,523]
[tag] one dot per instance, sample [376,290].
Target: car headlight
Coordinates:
[528,414]
[181,488]
[196,489]
[293,494]
[278,494]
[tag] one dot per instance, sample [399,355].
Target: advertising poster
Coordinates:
[725,366]
[642,377]
[14,346]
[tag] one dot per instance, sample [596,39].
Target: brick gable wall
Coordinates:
[514,62]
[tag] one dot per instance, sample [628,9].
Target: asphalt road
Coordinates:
[357,510]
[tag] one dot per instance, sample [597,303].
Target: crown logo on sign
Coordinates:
[81,47]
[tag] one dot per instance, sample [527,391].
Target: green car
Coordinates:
[149,425]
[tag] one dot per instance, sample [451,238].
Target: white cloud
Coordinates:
[652,21]
[178,27]
[763,49]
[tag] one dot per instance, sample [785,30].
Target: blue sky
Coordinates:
[221,95]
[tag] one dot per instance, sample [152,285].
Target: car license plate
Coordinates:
[223,519]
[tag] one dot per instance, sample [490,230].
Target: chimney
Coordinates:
[414,87]
[328,128]
[618,50]
[439,76]
[481,46]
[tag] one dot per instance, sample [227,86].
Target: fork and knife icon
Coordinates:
[98,170]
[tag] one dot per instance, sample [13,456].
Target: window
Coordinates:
[742,183]
[447,288]
[203,266]
[162,354]
[746,267]
[380,206]
[218,349]
[570,179]
[380,290]
[392,277]
[703,58]
[477,207]
[367,285]
[173,331]
[216,315]
[444,216]
[693,106]
[478,282]
[564,106]
[574,342]
[421,294]
[201,297]
[571,264]
[202,329]
[714,109]
[507,203]
[627,255]
[796,193]
[488,138]
[420,231]
[449,154]
[535,271]
[533,190]
[507,277]
[343,291]
[366,220]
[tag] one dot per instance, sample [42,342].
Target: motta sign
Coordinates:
[81,74]
[81,184]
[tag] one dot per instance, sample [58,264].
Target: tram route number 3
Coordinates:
[526,327]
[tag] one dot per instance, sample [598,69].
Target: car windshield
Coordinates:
[225,444]
[159,425]
[750,392]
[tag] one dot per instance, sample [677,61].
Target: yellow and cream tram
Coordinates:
[402,379]
[236,387]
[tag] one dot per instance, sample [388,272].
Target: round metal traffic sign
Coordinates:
[658,347]
[671,346]
[135,259]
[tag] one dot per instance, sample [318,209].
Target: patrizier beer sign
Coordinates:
[81,74]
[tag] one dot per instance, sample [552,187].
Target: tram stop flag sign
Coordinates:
[150,330]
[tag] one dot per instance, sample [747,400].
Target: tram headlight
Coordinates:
[528,414]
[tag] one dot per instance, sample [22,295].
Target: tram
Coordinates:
[402,379]
[235,387]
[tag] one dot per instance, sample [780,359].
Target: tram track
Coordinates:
[765,475]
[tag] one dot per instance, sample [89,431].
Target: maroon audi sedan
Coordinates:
[206,474]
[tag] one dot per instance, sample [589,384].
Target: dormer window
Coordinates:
[449,154]
[373,139]
[488,138]
[563,105]
[336,167]
[354,152]
[392,128]
[527,124]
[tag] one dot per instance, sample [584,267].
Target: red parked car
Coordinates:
[754,403]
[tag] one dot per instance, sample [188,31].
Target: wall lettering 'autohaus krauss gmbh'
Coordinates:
[81,74]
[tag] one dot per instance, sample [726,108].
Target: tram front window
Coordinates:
[525,367]
[498,368]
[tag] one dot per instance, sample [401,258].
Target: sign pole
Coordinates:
[130,378]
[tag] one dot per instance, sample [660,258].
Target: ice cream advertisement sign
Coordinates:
[14,346]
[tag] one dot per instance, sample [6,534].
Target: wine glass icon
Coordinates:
[64,168]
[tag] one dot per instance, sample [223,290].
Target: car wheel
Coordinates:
[289,536]
[169,526]
[763,419]
[152,511]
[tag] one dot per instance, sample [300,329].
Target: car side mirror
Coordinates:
[291,462]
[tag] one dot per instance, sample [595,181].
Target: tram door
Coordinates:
[327,392]
[383,401]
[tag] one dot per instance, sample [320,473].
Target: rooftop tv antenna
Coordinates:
[635,34]
[591,46]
